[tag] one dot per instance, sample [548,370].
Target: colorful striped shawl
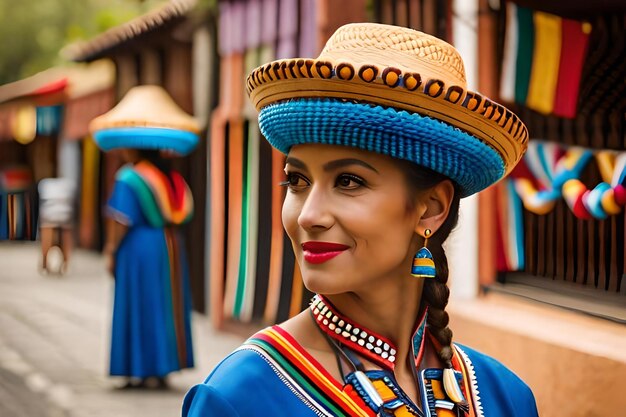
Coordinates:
[162,202]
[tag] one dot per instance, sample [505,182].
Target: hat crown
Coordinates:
[410,50]
[146,106]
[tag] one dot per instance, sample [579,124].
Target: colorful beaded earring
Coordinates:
[423,263]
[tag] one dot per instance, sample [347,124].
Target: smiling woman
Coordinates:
[378,157]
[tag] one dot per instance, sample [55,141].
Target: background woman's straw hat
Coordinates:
[146,118]
[394,91]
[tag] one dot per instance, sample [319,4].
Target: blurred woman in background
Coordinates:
[151,332]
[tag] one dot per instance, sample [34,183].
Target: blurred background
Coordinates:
[538,260]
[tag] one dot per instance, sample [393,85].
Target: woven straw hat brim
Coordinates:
[472,164]
[482,118]
[178,141]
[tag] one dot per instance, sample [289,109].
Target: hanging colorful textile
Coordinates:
[545,68]
[605,199]
[543,60]
[548,173]
[510,228]
[543,171]
[524,60]
[236,142]
[244,293]
[570,66]
[18,217]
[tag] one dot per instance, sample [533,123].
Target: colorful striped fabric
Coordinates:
[271,374]
[543,60]
[542,173]
[315,383]
[162,202]
[608,197]
[510,228]
[329,397]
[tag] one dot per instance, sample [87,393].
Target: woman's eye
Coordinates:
[295,182]
[349,182]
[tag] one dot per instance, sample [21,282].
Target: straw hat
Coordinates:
[395,91]
[146,118]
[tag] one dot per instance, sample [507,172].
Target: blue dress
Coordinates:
[272,375]
[151,334]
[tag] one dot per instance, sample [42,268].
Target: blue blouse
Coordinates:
[272,375]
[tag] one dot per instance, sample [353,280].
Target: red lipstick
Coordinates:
[320,252]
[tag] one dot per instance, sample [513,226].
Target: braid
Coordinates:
[436,293]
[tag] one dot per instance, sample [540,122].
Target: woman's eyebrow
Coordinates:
[340,163]
[295,162]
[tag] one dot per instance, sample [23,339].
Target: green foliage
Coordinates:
[32,32]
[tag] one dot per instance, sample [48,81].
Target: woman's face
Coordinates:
[348,217]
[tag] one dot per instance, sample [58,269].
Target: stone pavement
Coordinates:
[54,336]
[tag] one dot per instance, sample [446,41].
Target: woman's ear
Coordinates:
[437,201]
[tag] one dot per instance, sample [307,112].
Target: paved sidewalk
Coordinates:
[54,336]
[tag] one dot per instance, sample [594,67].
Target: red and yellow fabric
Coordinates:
[545,69]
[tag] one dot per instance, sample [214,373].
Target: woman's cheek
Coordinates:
[290,215]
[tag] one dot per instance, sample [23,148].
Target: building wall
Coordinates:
[575,364]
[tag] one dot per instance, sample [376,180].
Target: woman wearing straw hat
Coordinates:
[151,334]
[382,140]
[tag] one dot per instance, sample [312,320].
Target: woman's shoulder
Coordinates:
[237,379]
[497,389]
[246,382]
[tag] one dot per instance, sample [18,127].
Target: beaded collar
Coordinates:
[367,343]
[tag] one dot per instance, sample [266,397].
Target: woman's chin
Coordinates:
[323,283]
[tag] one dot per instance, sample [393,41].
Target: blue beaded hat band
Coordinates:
[476,141]
[146,118]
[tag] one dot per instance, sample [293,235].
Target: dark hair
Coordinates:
[155,158]
[436,293]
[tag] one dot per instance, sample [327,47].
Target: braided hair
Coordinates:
[436,293]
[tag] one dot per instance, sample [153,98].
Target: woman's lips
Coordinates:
[320,252]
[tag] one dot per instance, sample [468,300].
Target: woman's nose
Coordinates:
[316,211]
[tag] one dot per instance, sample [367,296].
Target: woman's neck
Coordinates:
[390,312]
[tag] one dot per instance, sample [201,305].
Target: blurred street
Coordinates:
[54,343]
